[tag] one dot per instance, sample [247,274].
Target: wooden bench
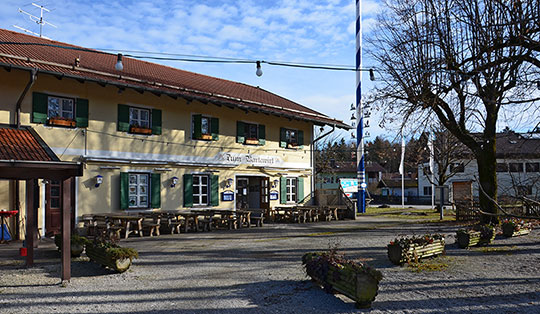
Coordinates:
[257,217]
[172,223]
[151,223]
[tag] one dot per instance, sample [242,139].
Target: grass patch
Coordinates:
[431,264]
[491,249]
[423,215]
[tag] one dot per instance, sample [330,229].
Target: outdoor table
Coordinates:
[289,212]
[6,214]
[125,221]
[189,215]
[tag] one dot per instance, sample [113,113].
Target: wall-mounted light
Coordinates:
[371,75]
[99,180]
[174,181]
[275,183]
[259,70]
[119,66]
[229,182]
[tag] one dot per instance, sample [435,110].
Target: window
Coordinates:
[515,167]
[250,133]
[204,128]
[427,190]
[457,167]
[532,167]
[139,117]
[58,107]
[200,190]
[290,138]
[138,190]
[502,167]
[59,111]
[292,190]
[139,120]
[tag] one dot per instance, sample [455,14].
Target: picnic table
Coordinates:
[118,222]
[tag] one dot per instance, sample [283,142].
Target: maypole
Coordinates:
[361,173]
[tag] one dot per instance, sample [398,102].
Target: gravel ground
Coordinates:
[259,270]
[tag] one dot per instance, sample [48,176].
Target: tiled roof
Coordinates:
[23,144]
[99,67]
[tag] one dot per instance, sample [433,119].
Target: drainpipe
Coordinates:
[16,196]
[33,76]
[313,161]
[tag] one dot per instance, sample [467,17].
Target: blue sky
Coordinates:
[306,31]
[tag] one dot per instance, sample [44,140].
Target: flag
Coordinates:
[402,164]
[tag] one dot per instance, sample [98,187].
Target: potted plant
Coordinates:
[61,121]
[476,235]
[111,255]
[409,249]
[334,273]
[515,227]
[137,129]
[207,137]
[78,244]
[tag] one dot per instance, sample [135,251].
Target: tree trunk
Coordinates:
[487,165]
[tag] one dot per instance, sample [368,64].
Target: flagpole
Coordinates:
[402,171]
[432,168]
[361,174]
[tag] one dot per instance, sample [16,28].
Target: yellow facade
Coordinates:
[108,152]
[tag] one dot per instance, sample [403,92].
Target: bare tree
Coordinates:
[465,62]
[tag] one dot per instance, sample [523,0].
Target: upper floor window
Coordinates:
[502,167]
[532,167]
[290,138]
[139,120]
[139,117]
[515,167]
[204,128]
[59,111]
[59,107]
[457,167]
[250,133]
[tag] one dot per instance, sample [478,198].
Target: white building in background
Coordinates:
[518,168]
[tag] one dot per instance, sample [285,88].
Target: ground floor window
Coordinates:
[292,190]
[138,190]
[427,190]
[200,190]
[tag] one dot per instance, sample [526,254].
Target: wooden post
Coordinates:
[32,197]
[66,230]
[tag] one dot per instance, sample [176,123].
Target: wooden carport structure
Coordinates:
[31,159]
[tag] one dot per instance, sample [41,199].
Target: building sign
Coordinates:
[249,159]
[274,195]
[227,196]
[349,186]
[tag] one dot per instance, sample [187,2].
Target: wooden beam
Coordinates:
[66,229]
[31,214]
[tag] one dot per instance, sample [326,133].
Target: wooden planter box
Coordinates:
[508,231]
[206,137]
[140,130]
[398,256]
[102,256]
[252,142]
[359,286]
[63,122]
[472,238]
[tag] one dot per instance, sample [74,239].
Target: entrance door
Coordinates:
[53,207]
[242,197]
[265,193]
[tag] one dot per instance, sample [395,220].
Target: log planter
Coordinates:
[113,257]
[399,255]
[512,230]
[357,281]
[77,244]
[468,238]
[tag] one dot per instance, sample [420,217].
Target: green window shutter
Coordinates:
[240,132]
[123,118]
[81,109]
[283,190]
[300,189]
[188,190]
[124,190]
[282,138]
[39,107]
[214,125]
[300,139]
[214,190]
[197,131]
[262,134]
[156,121]
[155,185]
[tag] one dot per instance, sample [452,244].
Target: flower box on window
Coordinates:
[292,145]
[252,141]
[59,121]
[140,130]
[207,137]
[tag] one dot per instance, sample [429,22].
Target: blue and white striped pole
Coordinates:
[361,173]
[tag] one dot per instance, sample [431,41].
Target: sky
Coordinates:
[300,31]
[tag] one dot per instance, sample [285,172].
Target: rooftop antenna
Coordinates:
[39,20]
